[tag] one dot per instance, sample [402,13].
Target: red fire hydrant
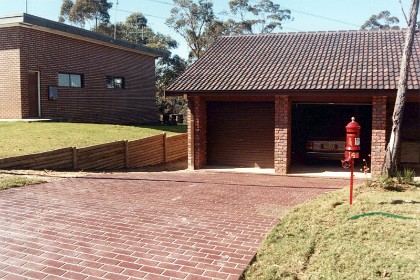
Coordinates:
[352,150]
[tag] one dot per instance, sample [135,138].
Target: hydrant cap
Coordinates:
[353,124]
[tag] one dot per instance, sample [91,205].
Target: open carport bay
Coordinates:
[327,122]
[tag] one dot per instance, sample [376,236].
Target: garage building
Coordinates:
[255,100]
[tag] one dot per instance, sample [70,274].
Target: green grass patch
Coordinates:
[21,138]
[16,181]
[318,240]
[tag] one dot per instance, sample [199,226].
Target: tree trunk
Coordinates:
[390,161]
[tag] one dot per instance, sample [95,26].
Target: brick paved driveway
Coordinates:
[168,225]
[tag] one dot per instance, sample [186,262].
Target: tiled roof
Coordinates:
[302,61]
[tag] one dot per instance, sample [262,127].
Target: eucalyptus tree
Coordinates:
[79,12]
[381,21]
[190,20]
[262,17]
[391,155]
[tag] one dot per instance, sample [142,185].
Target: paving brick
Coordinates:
[93,272]
[108,261]
[125,258]
[156,277]
[211,231]
[14,262]
[151,269]
[70,260]
[175,274]
[192,270]
[73,267]
[53,263]
[75,276]
[15,269]
[14,277]
[34,266]
[197,277]
[91,264]
[129,265]
[170,266]
[54,271]
[134,273]
[147,262]
[112,268]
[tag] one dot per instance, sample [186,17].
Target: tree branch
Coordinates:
[405,16]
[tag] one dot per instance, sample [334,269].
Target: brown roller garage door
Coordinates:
[240,134]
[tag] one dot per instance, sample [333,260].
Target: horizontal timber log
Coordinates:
[107,153]
[35,156]
[103,146]
[116,155]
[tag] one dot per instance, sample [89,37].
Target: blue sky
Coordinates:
[309,15]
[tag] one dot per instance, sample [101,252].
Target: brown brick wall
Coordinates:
[379,125]
[10,100]
[52,53]
[282,135]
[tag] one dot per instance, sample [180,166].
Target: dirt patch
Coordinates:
[44,175]
[51,175]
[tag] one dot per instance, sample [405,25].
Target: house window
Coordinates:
[115,82]
[70,80]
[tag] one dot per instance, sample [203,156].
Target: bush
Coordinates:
[408,176]
[385,182]
[401,181]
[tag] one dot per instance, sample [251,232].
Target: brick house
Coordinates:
[254,100]
[53,70]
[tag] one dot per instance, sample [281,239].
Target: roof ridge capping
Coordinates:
[318,32]
[28,19]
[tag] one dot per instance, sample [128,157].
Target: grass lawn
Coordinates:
[16,181]
[317,240]
[20,138]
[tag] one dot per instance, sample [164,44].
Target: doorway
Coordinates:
[34,108]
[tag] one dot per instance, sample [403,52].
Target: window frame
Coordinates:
[81,76]
[113,85]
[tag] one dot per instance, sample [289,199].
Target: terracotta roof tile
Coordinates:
[300,61]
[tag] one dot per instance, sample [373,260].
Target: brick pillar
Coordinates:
[190,132]
[378,134]
[282,135]
[197,118]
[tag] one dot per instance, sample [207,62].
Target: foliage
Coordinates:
[81,11]
[382,21]
[16,181]
[168,69]
[136,30]
[26,138]
[265,16]
[197,23]
[405,176]
[402,181]
[318,240]
[190,20]
[386,182]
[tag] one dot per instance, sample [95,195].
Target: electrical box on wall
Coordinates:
[52,93]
